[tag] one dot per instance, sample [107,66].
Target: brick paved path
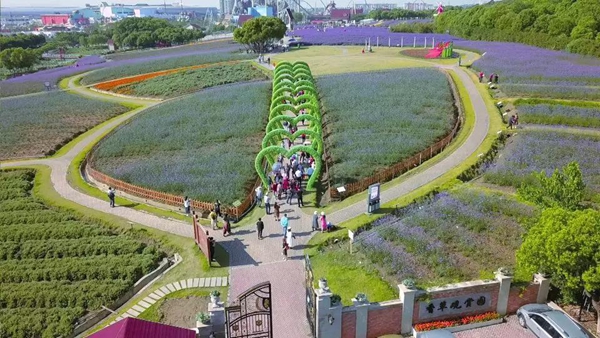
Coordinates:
[248,255]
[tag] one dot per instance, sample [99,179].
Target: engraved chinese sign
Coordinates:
[454,305]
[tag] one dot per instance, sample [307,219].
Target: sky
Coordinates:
[204,3]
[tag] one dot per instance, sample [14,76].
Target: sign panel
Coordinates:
[351,235]
[455,305]
[373,198]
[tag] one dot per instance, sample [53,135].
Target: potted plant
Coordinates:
[335,299]
[203,318]
[409,283]
[323,284]
[214,296]
[361,298]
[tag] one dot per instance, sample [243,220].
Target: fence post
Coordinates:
[407,296]
[504,292]
[329,318]
[415,42]
[544,282]
[362,316]
[402,42]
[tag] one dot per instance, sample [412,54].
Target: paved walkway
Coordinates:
[248,254]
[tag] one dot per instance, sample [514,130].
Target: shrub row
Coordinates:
[32,322]
[43,231]
[80,247]
[41,216]
[89,295]
[126,267]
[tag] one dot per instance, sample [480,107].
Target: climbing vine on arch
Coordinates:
[294,92]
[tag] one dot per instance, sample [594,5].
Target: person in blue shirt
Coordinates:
[284,224]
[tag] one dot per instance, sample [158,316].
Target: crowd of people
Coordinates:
[493,77]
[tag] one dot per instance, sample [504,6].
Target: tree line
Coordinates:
[555,24]
[23,51]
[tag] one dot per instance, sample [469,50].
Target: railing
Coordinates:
[407,164]
[235,212]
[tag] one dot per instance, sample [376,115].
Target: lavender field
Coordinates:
[460,235]
[566,113]
[381,118]
[533,151]
[39,124]
[527,71]
[202,146]
[32,83]
[357,36]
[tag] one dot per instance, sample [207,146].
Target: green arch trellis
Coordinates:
[290,79]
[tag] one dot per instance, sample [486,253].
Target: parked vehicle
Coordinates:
[546,322]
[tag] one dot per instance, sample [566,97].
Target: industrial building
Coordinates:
[419,6]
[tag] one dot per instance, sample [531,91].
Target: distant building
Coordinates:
[115,13]
[193,26]
[243,18]
[419,6]
[257,11]
[55,19]
[344,13]
[372,7]
[145,12]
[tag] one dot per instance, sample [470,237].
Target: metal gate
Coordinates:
[311,306]
[251,314]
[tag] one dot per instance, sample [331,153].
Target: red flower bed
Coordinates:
[114,85]
[441,324]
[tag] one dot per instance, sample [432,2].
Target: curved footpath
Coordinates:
[253,261]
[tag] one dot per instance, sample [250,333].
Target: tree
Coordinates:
[565,244]
[260,32]
[145,40]
[83,41]
[18,58]
[563,189]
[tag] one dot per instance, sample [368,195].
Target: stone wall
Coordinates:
[371,320]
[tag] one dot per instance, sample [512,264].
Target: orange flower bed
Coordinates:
[441,324]
[112,84]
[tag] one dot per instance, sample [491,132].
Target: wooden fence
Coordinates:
[409,163]
[200,207]
[201,236]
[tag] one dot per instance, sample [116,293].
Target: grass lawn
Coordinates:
[347,59]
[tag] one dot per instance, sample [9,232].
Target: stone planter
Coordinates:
[419,334]
[215,299]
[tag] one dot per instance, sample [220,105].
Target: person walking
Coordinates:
[259,195]
[213,219]
[315,221]
[511,121]
[276,208]
[323,222]
[284,224]
[268,203]
[186,205]
[111,196]
[516,120]
[226,226]
[259,228]
[481,76]
[496,78]
[285,249]
[289,195]
[299,197]
[289,237]
[218,208]
[492,78]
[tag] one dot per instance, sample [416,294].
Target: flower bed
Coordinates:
[442,324]
[382,118]
[211,154]
[115,84]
